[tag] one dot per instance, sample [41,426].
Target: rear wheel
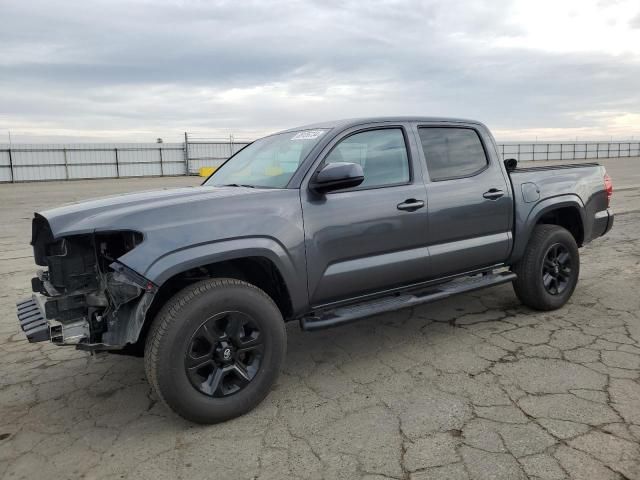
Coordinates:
[549,269]
[215,349]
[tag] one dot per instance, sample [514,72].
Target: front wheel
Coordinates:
[215,349]
[548,271]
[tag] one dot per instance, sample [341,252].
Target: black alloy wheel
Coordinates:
[224,354]
[549,268]
[556,269]
[215,349]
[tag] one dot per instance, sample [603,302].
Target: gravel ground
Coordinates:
[474,387]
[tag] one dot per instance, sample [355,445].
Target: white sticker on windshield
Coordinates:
[307,135]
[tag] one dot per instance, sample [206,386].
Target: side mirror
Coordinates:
[336,176]
[511,164]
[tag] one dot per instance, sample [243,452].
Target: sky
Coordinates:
[137,70]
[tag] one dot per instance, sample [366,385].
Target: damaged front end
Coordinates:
[85,297]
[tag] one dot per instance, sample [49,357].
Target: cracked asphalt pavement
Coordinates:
[473,387]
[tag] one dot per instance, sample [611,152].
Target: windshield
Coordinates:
[269,162]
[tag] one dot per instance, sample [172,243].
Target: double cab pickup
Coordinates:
[323,224]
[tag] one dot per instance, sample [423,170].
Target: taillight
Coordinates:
[608,186]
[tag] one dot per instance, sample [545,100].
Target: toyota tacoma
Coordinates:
[322,224]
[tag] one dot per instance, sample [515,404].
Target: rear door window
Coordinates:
[452,152]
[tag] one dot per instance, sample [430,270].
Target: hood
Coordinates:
[130,211]
[184,226]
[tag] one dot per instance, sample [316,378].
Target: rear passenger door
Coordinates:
[470,205]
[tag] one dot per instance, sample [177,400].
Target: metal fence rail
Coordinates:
[203,152]
[568,150]
[24,163]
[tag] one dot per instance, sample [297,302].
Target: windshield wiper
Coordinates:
[238,185]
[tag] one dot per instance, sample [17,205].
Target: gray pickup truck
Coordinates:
[323,224]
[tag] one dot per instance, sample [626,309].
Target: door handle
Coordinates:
[493,194]
[410,205]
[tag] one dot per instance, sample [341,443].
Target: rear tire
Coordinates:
[215,349]
[549,269]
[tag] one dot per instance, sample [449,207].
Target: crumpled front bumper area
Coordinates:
[32,321]
[43,318]
[85,297]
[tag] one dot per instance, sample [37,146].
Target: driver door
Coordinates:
[374,236]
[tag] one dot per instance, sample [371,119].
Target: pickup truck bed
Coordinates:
[568,185]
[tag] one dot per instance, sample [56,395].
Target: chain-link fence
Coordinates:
[24,163]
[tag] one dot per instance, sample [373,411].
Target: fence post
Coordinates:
[66,164]
[13,178]
[518,152]
[547,152]
[231,145]
[186,154]
[117,164]
[161,166]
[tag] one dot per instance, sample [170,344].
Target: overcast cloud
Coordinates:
[133,71]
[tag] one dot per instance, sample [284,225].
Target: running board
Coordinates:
[341,315]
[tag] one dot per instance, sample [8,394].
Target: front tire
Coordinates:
[549,269]
[215,349]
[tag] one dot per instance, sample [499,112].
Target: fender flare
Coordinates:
[178,261]
[524,227]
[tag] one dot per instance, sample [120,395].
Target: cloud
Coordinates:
[138,70]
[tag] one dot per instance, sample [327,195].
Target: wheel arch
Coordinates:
[261,263]
[566,211]
[568,217]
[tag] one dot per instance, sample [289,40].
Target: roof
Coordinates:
[352,122]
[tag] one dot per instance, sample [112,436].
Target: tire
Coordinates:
[538,274]
[186,350]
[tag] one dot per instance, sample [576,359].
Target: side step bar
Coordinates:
[341,315]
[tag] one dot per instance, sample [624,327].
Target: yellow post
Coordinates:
[206,171]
